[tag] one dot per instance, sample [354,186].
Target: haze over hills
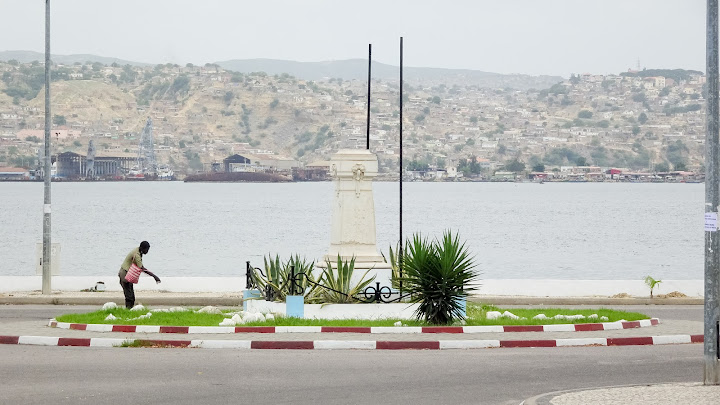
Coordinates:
[29,56]
[351,69]
[356,69]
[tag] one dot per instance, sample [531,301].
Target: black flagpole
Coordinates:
[368,99]
[400,250]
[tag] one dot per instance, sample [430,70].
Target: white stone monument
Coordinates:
[353,215]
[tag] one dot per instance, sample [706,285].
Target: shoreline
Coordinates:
[527,288]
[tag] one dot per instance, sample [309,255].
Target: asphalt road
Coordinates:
[76,375]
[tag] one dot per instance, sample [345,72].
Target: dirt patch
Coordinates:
[621,295]
[674,294]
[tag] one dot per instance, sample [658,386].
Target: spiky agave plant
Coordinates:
[339,279]
[277,276]
[437,275]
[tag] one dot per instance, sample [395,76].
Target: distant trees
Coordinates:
[436,100]
[539,167]
[580,161]
[586,114]
[514,166]
[417,165]
[677,153]
[469,166]
[228,97]
[59,120]
[180,85]
[639,97]
[642,118]
[274,103]
[662,167]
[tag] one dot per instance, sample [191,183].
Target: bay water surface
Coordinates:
[606,231]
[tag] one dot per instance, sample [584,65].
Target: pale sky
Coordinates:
[554,37]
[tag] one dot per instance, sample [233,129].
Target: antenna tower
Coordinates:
[146,149]
[90,168]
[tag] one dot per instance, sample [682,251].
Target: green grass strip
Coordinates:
[476,316]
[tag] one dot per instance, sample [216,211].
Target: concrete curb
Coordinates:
[153,300]
[504,300]
[193,300]
[544,399]
[350,344]
[582,327]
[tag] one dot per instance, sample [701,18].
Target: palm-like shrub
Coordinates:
[437,274]
[339,278]
[277,276]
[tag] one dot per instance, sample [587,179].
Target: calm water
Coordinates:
[565,231]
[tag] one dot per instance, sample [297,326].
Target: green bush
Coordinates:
[437,274]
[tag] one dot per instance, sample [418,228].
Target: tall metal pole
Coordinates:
[47,245]
[368,110]
[712,202]
[400,249]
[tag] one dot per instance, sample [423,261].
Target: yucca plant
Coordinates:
[277,276]
[437,275]
[339,278]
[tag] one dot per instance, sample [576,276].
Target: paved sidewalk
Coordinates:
[234,299]
[656,394]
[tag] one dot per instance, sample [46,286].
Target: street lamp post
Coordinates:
[47,245]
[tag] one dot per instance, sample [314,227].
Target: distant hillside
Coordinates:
[675,74]
[29,56]
[345,69]
[357,69]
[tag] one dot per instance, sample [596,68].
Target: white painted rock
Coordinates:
[593,316]
[493,315]
[227,322]
[109,305]
[209,310]
[510,315]
[398,323]
[269,317]
[237,319]
[540,316]
[138,307]
[160,310]
[110,317]
[604,318]
[177,309]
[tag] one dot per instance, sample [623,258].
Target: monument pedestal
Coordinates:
[353,214]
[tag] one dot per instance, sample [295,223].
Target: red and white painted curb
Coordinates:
[353,344]
[579,327]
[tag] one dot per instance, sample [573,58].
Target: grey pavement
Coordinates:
[230,299]
[657,394]
[679,319]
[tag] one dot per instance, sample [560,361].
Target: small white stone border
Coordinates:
[578,327]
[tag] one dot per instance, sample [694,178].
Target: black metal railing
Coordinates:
[376,293]
[252,284]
